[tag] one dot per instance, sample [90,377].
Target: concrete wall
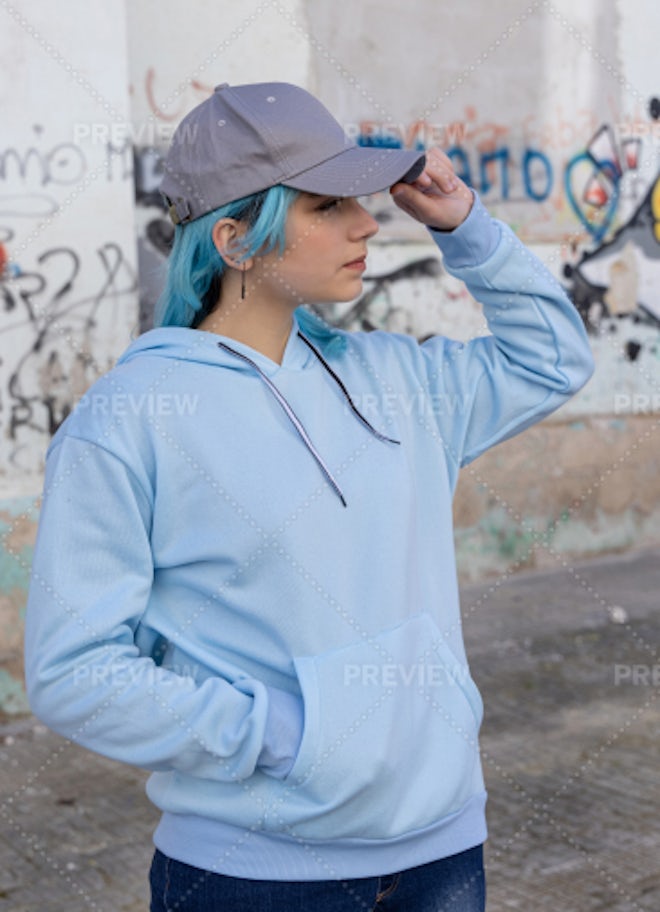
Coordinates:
[550,110]
[67,255]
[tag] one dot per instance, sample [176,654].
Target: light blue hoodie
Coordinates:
[244,577]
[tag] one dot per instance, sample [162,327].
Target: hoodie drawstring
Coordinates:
[296,421]
[354,408]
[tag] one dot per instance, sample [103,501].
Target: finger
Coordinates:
[436,181]
[402,188]
[435,154]
[404,203]
[445,180]
[441,170]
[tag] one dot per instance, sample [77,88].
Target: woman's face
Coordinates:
[325,251]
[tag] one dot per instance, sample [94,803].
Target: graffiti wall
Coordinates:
[613,277]
[67,252]
[68,274]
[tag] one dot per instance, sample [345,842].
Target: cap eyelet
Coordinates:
[271,99]
[221,123]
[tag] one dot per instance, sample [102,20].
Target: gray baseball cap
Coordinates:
[248,138]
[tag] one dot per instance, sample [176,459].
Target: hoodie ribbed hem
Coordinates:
[255,855]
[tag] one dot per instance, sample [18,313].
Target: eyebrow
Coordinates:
[316,197]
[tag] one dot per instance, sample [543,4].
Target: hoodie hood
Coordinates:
[184,344]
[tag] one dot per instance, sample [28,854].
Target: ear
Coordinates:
[226,234]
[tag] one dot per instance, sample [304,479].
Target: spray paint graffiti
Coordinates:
[62,163]
[496,169]
[61,306]
[592,179]
[31,175]
[162,110]
[39,168]
[61,354]
[618,277]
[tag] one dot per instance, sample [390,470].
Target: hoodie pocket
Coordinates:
[390,737]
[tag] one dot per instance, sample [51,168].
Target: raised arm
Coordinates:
[493,387]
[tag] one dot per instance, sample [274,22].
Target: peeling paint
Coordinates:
[12,695]
[18,527]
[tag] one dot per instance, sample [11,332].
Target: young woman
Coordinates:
[244,578]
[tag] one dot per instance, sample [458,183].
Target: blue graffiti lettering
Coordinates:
[531,156]
[487,158]
[461,164]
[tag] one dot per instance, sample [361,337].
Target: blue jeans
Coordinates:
[454,884]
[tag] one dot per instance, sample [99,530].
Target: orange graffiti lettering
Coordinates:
[156,110]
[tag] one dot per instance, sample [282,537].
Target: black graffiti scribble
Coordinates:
[590,298]
[604,284]
[59,363]
[63,164]
[37,170]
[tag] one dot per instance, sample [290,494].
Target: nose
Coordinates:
[363,224]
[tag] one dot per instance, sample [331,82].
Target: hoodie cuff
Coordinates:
[283,733]
[472,242]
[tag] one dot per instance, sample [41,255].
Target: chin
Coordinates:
[339,298]
[350,295]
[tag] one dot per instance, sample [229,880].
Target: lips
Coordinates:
[360,263]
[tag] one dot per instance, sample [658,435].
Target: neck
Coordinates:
[263,326]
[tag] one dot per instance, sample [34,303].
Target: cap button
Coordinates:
[223,85]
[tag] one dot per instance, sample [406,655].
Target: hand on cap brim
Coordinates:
[438,198]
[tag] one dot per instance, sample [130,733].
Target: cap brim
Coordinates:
[359,171]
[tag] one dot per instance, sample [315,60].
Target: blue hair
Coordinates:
[195,267]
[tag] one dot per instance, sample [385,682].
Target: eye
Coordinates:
[329,204]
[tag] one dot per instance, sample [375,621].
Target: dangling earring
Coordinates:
[243,283]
